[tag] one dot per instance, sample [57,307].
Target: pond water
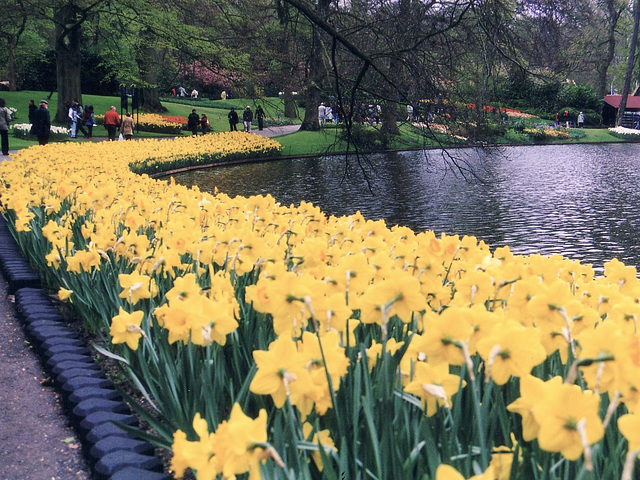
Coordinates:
[579,201]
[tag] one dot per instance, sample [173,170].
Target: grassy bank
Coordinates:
[328,140]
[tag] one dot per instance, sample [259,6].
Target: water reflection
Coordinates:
[580,201]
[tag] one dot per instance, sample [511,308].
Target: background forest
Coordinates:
[539,56]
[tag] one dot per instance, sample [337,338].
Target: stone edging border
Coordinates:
[90,399]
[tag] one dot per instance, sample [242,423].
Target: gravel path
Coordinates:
[36,439]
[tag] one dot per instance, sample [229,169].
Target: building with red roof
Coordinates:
[611,105]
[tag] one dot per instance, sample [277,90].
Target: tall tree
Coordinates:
[609,12]
[13,21]
[68,19]
[630,62]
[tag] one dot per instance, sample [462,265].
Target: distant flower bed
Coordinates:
[22,130]
[541,133]
[176,119]
[500,110]
[152,123]
[205,149]
[622,132]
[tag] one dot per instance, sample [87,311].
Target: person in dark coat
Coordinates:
[260,117]
[32,110]
[5,118]
[247,117]
[233,120]
[41,126]
[204,123]
[193,121]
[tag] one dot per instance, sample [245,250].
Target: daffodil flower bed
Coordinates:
[151,122]
[23,130]
[549,133]
[205,149]
[279,342]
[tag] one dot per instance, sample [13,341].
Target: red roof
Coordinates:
[614,101]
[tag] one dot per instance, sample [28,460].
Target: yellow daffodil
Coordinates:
[511,349]
[434,385]
[629,426]
[281,372]
[125,328]
[322,439]
[568,419]
[136,286]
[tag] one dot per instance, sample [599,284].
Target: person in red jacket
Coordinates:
[111,123]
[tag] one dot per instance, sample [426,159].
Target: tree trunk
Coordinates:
[313,91]
[150,101]
[603,66]
[389,117]
[68,64]
[11,64]
[289,104]
[147,62]
[630,62]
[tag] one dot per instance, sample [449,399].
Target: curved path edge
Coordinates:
[85,396]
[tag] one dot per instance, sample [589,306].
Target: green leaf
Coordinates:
[109,354]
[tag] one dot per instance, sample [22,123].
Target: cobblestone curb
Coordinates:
[91,400]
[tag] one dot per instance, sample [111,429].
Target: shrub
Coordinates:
[368,138]
[579,97]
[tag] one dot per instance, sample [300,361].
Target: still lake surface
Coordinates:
[579,201]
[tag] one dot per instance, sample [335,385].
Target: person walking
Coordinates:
[72,113]
[88,120]
[233,120]
[5,118]
[111,123]
[41,126]
[260,117]
[80,122]
[127,126]
[204,123]
[247,117]
[321,114]
[193,121]
[32,110]
[581,120]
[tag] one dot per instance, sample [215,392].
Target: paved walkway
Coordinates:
[267,132]
[37,441]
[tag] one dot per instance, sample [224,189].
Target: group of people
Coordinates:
[247,118]
[194,121]
[567,118]
[325,114]
[78,117]
[182,92]
[112,122]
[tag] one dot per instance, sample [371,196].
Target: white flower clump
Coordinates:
[26,128]
[625,131]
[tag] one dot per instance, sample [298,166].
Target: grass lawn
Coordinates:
[300,143]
